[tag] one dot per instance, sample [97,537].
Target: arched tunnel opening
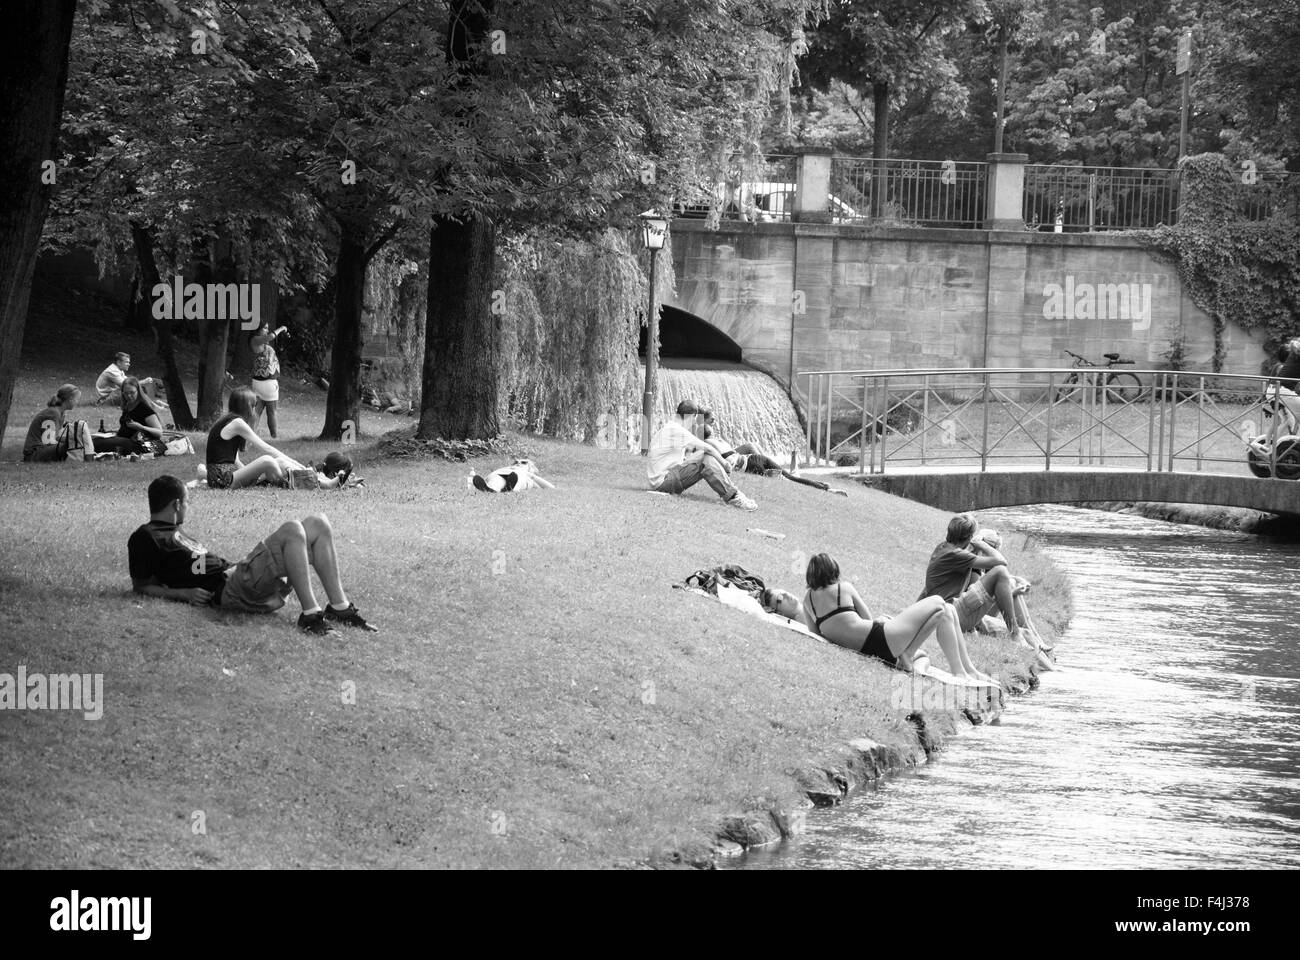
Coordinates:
[684,336]
[700,362]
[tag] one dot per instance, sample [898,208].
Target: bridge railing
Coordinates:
[1045,418]
[926,193]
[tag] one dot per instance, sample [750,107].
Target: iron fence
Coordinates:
[1265,194]
[769,197]
[927,193]
[1040,418]
[1073,199]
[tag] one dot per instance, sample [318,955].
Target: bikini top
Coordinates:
[839,606]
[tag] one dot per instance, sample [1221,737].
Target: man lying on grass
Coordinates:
[166,563]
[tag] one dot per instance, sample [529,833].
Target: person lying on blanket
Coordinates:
[834,610]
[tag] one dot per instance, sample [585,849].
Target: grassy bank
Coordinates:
[539,695]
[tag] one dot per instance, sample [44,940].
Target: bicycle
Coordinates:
[1119,387]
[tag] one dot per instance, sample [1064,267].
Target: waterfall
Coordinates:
[748,406]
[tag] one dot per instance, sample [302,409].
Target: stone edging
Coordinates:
[856,764]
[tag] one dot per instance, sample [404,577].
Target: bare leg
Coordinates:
[320,546]
[906,632]
[270,406]
[264,466]
[998,584]
[289,544]
[258,406]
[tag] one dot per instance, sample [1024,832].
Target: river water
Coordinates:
[1169,738]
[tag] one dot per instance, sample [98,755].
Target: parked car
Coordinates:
[762,202]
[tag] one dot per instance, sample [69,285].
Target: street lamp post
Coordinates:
[654,230]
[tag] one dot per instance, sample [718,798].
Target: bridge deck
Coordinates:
[958,489]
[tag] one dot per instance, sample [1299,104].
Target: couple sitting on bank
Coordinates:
[232,435]
[968,570]
[687,449]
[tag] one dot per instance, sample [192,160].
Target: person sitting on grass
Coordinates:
[140,430]
[833,609]
[747,458]
[1020,587]
[679,459]
[946,577]
[51,438]
[109,384]
[231,436]
[166,563]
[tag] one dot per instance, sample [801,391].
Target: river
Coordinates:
[1167,740]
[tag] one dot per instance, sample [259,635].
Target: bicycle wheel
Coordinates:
[1069,389]
[1123,388]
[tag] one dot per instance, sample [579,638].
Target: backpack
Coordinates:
[732,574]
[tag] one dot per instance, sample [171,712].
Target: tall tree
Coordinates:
[33,76]
[461,342]
[882,48]
[1253,71]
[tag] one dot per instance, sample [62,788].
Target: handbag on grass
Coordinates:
[304,479]
[176,445]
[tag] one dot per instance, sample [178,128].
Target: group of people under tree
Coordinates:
[52,436]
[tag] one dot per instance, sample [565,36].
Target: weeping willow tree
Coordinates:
[393,313]
[571,319]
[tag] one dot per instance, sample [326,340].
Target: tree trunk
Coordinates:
[213,342]
[214,345]
[33,75]
[880,146]
[1004,33]
[148,270]
[460,380]
[458,400]
[343,404]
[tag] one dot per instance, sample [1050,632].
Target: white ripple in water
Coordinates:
[1167,741]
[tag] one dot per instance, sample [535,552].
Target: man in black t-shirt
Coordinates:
[952,562]
[166,563]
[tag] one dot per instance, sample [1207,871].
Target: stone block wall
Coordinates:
[799,297]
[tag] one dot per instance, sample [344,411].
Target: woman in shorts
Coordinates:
[230,437]
[834,610]
[266,376]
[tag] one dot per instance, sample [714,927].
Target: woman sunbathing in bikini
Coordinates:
[834,610]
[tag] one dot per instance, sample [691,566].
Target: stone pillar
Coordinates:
[1006,190]
[813,186]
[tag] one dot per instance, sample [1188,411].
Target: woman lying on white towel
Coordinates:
[834,610]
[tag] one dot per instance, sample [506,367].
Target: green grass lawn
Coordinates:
[539,695]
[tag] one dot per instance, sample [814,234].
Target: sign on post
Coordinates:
[1184,53]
